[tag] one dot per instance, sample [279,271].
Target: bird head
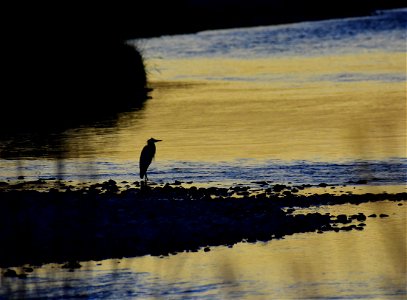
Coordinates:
[153,140]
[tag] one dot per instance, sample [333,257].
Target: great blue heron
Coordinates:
[147,155]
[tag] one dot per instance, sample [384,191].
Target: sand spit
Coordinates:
[104,220]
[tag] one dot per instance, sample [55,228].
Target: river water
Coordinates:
[312,102]
[368,264]
[305,103]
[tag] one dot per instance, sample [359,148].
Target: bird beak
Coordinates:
[157,140]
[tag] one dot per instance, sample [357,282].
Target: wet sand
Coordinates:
[51,221]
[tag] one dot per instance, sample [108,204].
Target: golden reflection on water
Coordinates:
[346,264]
[275,108]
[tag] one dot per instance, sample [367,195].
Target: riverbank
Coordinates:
[53,221]
[299,266]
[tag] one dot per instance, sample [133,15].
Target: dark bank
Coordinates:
[67,66]
[105,220]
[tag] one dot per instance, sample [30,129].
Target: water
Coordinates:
[351,265]
[302,103]
[297,102]
[385,31]
[225,174]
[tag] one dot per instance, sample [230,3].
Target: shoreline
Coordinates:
[106,220]
[272,265]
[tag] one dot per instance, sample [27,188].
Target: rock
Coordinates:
[261,183]
[362,181]
[10,273]
[21,177]
[243,193]
[346,228]
[342,219]
[323,184]
[167,187]
[279,187]
[28,269]
[383,215]
[71,265]
[287,193]
[87,226]
[372,216]
[360,217]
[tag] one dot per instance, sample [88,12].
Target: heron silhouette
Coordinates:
[147,155]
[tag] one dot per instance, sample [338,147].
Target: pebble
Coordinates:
[279,187]
[10,273]
[261,183]
[71,265]
[117,217]
[28,269]
[342,219]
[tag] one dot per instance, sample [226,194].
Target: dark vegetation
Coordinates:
[73,57]
[68,65]
[185,16]
[63,82]
[65,67]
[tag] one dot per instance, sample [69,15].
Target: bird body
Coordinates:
[146,157]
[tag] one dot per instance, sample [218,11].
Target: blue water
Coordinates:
[383,31]
[282,273]
[116,284]
[244,171]
[386,30]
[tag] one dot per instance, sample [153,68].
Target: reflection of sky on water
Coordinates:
[324,97]
[383,31]
[247,171]
[302,266]
[302,103]
[126,284]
